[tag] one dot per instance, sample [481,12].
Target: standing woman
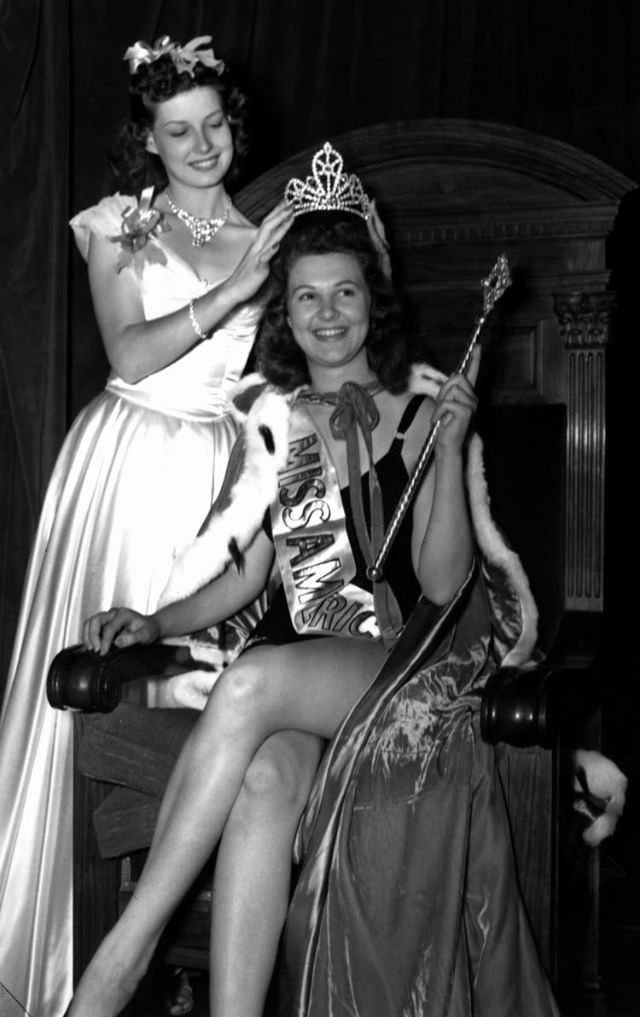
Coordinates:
[173,268]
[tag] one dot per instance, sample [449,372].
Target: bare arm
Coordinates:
[136,347]
[442,542]
[214,603]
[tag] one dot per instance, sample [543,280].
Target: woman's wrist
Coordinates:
[206,312]
[448,456]
[159,621]
[195,322]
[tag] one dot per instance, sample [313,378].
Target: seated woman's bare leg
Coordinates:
[253,872]
[307,686]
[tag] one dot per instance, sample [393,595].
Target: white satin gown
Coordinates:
[132,484]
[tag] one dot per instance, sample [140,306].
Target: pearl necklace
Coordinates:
[202,230]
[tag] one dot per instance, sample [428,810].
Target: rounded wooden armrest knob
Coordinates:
[79,679]
[536,705]
[517,707]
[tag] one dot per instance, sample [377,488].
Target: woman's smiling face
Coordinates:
[192,137]
[328,305]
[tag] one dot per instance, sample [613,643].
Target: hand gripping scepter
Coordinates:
[493,287]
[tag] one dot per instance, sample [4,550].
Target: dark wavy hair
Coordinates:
[277,355]
[134,168]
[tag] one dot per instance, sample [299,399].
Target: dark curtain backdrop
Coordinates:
[34,203]
[315,68]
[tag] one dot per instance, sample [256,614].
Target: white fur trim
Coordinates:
[189,690]
[208,556]
[606,781]
[426,380]
[498,553]
[245,385]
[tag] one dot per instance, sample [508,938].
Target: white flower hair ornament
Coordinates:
[184,57]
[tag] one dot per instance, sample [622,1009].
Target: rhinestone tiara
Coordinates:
[327,188]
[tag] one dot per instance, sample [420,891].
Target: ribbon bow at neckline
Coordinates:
[354,406]
[355,409]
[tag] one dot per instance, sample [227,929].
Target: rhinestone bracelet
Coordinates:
[195,324]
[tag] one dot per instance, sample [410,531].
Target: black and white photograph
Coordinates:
[319,331]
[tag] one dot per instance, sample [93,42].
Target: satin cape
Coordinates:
[407,902]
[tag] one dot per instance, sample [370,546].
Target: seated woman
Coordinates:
[329,446]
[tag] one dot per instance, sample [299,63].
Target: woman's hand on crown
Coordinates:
[378,235]
[253,268]
[120,626]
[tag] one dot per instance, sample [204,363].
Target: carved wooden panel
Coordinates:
[585,321]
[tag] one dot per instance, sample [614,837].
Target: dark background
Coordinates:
[569,69]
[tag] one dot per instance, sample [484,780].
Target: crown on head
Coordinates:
[327,189]
[184,57]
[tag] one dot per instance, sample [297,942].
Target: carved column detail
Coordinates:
[585,321]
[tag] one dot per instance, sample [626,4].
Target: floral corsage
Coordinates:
[140,224]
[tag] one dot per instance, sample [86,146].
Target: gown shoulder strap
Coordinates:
[407,418]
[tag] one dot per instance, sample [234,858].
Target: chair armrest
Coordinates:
[79,679]
[537,705]
[520,706]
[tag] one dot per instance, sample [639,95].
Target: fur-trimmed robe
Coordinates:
[407,902]
[251,486]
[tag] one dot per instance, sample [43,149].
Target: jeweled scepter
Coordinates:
[493,287]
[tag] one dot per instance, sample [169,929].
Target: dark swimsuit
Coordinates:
[276,627]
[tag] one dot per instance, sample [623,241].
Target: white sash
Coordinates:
[310,537]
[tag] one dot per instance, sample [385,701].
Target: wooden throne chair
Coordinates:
[453,196]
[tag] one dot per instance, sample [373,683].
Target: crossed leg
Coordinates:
[253,872]
[305,687]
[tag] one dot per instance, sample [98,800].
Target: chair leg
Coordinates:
[96,880]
